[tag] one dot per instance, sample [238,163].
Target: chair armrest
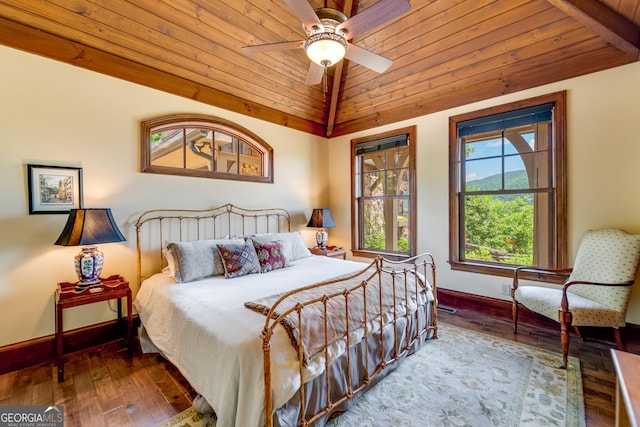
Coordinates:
[560,272]
[565,301]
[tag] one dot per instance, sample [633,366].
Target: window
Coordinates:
[508,187]
[383,198]
[204,146]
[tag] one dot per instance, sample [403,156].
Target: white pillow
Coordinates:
[170,268]
[293,246]
[198,259]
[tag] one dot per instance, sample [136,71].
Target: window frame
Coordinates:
[215,124]
[411,132]
[559,176]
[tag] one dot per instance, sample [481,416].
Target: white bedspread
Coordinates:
[204,329]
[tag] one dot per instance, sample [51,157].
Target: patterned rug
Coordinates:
[462,379]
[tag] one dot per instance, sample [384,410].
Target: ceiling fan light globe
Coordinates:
[325,48]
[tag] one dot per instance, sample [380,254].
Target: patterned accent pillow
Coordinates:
[198,259]
[270,255]
[292,244]
[239,260]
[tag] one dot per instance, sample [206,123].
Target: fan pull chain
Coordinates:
[324,81]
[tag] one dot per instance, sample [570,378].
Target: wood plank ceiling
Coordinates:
[446,53]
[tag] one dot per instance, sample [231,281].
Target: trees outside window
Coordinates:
[383,202]
[508,186]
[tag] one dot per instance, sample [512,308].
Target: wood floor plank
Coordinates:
[90,413]
[140,414]
[7,385]
[118,417]
[78,374]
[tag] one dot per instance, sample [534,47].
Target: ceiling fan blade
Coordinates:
[303,10]
[367,58]
[270,47]
[371,17]
[315,74]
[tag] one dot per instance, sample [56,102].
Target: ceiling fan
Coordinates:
[328,33]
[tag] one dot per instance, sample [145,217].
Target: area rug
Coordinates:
[464,378]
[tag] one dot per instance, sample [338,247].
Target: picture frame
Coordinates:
[54,189]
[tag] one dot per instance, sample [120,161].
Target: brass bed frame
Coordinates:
[380,349]
[197,224]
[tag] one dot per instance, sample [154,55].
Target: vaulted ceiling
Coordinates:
[445,53]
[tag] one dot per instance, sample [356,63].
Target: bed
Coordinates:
[298,337]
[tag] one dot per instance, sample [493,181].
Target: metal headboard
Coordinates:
[157,226]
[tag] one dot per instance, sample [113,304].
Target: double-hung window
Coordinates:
[383,202]
[508,187]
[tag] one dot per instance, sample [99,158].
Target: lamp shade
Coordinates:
[321,218]
[88,227]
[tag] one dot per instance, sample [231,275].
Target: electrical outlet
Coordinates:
[506,289]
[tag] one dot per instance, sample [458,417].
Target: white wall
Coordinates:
[603,171]
[56,114]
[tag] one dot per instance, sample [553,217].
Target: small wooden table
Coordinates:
[332,253]
[627,367]
[68,295]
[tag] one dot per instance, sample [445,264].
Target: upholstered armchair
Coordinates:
[596,292]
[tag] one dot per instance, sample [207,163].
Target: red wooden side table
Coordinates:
[69,295]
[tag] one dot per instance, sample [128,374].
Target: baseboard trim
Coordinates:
[40,350]
[502,309]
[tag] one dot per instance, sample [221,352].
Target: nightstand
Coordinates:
[332,253]
[67,295]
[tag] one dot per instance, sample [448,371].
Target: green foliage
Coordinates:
[403,245]
[375,229]
[376,241]
[156,138]
[499,230]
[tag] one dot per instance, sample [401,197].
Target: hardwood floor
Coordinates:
[104,388]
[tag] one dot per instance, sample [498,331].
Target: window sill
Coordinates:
[503,271]
[372,254]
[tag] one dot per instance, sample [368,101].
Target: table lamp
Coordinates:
[321,218]
[88,227]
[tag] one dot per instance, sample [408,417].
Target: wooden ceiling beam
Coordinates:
[604,21]
[337,79]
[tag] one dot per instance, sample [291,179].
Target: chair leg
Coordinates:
[564,339]
[619,343]
[575,328]
[514,313]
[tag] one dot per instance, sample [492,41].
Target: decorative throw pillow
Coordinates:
[198,259]
[270,255]
[292,243]
[239,260]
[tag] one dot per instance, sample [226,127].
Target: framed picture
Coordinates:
[54,189]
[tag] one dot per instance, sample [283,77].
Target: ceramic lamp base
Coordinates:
[89,263]
[321,238]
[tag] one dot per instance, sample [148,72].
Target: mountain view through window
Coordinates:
[507,186]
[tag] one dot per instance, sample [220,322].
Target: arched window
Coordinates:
[204,146]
